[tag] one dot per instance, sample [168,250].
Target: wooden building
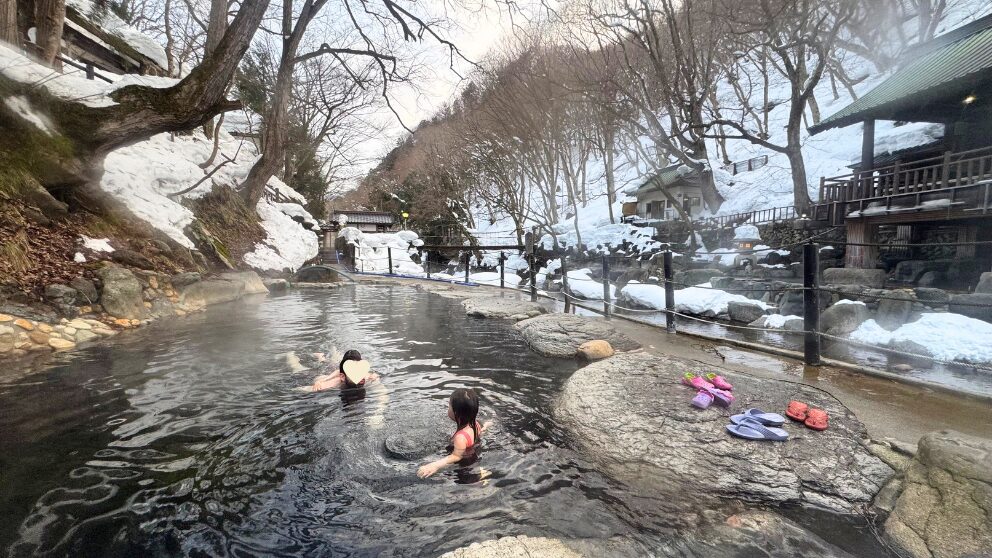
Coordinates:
[680,182]
[939,193]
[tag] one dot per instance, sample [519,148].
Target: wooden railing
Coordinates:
[758,217]
[743,166]
[947,171]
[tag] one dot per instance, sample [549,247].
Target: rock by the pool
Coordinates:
[745,533]
[945,506]
[648,416]
[515,547]
[560,335]
[597,349]
[502,308]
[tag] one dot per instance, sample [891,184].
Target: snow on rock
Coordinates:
[747,232]
[485,278]
[372,251]
[777,321]
[96,244]
[582,285]
[691,300]
[971,341]
[79,258]
[599,237]
[848,301]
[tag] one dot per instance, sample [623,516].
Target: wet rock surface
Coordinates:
[841,319]
[502,308]
[649,414]
[515,547]
[560,335]
[745,533]
[945,507]
[874,278]
[122,293]
[744,312]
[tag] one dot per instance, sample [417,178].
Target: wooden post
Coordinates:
[564,281]
[606,286]
[468,256]
[502,269]
[389,254]
[945,170]
[669,293]
[533,277]
[811,305]
[90,72]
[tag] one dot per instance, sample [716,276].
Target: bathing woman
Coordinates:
[353,372]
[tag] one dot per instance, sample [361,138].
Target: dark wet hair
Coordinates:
[351,354]
[465,407]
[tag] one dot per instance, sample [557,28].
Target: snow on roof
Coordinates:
[71,86]
[109,22]
[747,232]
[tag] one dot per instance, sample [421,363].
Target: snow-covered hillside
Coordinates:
[149,176]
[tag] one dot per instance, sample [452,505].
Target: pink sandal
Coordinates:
[695,381]
[719,381]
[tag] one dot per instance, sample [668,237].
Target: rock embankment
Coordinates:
[944,507]
[502,308]
[515,547]
[119,299]
[632,416]
[561,335]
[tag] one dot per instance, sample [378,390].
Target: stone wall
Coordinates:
[120,298]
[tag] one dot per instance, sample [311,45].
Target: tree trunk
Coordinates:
[611,187]
[49,18]
[216,26]
[8,22]
[276,123]
[170,41]
[800,192]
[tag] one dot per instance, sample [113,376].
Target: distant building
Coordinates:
[938,194]
[365,221]
[680,182]
[101,39]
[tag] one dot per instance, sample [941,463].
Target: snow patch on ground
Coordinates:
[692,300]
[96,244]
[21,107]
[287,245]
[971,340]
[582,285]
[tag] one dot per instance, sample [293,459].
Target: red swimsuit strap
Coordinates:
[469,442]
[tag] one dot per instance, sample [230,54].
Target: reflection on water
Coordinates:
[190,437]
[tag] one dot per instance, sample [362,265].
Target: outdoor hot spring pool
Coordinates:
[190,437]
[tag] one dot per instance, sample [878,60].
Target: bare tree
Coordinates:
[49,18]
[8,22]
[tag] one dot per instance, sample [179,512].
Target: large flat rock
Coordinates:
[515,547]
[559,335]
[643,430]
[502,308]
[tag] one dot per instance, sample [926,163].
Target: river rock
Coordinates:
[559,335]
[692,277]
[181,280]
[250,281]
[975,305]
[121,295]
[132,259]
[744,312]
[61,294]
[515,547]
[597,349]
[894,309]
[502,308]
[276,285]
[946,500]
[874,278]
[317,274]
[756,533]
[793,303]
[932,297]
[843,318]
[984,283]
[86,289]
[211,291]
[648,413]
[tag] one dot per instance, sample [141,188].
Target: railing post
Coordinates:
[564,280]
[502,269]
[90,72]
[669,293]
[606,286]
[533,277]
[468,256]
[427,264]
[389,254]
[945,169]
[811,305]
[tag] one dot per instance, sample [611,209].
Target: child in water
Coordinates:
[463,408]
[340,380]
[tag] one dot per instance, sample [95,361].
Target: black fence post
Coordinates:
[669,294]
[90,71]
[564,281]
[389,254]
[811,304]
[502,270]
[533,277]
[468,259]
[606,286]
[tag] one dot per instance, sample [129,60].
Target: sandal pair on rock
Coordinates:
[815,419]
[755,424]
[710,389]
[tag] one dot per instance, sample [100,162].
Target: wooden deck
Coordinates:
[951,186]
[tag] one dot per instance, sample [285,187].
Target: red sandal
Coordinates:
[816,419]
[797,411]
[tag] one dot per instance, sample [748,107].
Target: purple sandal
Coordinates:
[702,400]
[722,397]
